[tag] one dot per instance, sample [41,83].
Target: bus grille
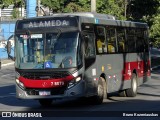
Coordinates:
[54,91]
[44,75]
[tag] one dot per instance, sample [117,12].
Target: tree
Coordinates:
[146,11]
[113,7]
[72,7]
[15,13]
[142,10]
[55,6]
[16,3]
[155,29]
[5,3]
[77,6]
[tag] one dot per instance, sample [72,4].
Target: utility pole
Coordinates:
[21,8]
[125,8]
[93,6]
[39,9]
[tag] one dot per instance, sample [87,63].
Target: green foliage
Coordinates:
[55,5]
[66,5]
[137,9]
[6,3]
[113,7]
[72,7]
[15,13]
[155,29]
[77,6]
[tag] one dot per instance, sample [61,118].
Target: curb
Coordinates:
[7,64]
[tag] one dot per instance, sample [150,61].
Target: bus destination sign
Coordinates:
[48,22]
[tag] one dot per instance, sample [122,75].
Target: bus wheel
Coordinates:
[98,99]
[132,92]
[45,102]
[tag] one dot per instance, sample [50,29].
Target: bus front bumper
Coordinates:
[76,91]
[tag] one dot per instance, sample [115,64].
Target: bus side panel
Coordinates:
[112,66]
[138,63]
[143,67]
[118,76]
[90,77]
[118,69]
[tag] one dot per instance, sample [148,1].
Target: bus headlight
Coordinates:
[74,82]
[20,84]
[17,81]
[78,79]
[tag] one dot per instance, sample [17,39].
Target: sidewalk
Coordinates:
[5,62]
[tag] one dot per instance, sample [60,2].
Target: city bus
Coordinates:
[79,55]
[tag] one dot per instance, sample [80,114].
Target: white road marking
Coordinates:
[12,93]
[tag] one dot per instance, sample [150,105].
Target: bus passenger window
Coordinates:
[140,40]
[101,46]
[112,40]
[101,40]
[131,45]
[121,39]
[146,46]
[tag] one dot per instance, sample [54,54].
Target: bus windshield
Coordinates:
[46,50]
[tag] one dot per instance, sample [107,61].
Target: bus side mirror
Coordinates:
[9,47]
[0,64]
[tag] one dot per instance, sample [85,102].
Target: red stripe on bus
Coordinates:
[52,83]
[139,66]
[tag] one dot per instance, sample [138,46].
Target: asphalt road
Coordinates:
[147,100]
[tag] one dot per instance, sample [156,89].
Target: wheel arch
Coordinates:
[135,71]
[103,75]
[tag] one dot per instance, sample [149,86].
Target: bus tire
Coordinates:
[122,93]
[98,99]
[45,102]
[132,92]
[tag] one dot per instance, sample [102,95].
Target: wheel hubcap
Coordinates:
[100,90]
[134,85]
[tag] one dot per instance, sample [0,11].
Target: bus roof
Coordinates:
[87,14]
[80,14]
[96,18]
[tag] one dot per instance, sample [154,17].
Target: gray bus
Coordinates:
[74,55]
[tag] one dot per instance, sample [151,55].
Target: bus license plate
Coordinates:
[44,93]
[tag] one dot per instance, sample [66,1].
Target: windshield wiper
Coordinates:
[52,41]
[59,33]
